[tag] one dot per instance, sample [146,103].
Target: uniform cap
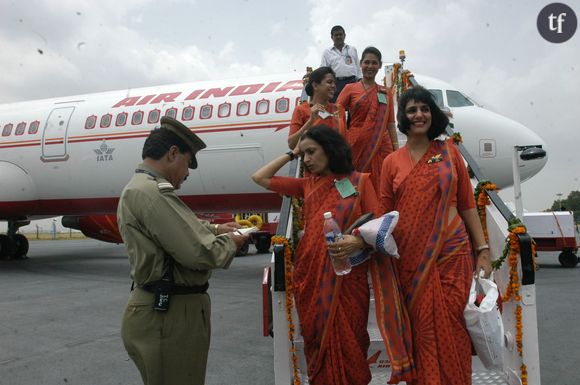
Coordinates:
[189,138]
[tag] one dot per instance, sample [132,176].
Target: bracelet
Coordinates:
[215,229]
[291,155]
[482,247]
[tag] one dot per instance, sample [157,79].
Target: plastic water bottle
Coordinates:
[332,234]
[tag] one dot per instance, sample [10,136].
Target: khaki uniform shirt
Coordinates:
[155,224]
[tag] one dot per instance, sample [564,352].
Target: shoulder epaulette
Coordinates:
[165,187]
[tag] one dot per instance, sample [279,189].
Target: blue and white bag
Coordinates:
[379,234]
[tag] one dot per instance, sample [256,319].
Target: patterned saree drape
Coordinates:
[368,135]
[333,310]
[435,269]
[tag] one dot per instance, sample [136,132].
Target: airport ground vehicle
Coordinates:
[554,231]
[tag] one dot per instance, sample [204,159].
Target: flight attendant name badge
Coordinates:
[382,98]
[345,188]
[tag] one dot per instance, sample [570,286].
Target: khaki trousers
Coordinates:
[169,348]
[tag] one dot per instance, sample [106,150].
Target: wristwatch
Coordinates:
[291,155]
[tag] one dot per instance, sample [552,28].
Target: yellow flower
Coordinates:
[435,159]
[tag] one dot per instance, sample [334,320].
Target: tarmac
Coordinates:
[60,315]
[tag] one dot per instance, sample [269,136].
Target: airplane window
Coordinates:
[224,110]
[187,113]
[137,118]
[243,108]
[205,111]
[457,99]
[106,120]
[438,95]
[153,116]
[121,119]
[172,113]
[7,129]
[20,128]
[91,122]
[33,128]
[262,107]
[282,105]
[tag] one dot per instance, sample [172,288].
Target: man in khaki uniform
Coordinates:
[171,254]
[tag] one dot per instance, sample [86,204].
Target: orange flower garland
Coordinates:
[280,240]
[400,79]
[512,249]
[482,200]
[457,138]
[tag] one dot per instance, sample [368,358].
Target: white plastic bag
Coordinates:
[484,324]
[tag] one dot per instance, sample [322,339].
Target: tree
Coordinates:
[572,203]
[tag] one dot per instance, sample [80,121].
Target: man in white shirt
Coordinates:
[343,59]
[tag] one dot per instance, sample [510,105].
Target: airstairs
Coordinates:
[497,217]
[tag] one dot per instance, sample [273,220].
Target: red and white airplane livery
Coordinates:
[72,156]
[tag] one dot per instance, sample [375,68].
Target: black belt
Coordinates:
[179,290]
[346,78]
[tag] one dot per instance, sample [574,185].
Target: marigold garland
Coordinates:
[457,138]
[400,79]
[511,249]
[280,240]
[297,220]
[513,287]
[482,200]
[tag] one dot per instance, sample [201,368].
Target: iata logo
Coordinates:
[104,152]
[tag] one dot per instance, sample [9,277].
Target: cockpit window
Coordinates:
[438,95]
[457,99]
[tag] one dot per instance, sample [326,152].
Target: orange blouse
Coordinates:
[301,115]
[301,187]
[398,165]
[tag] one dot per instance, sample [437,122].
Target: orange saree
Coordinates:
[333,310]
[370,112]
[436,262]
[335,120]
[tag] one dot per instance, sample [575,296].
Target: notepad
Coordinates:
[245,230]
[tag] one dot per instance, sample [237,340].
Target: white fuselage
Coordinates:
[77,163]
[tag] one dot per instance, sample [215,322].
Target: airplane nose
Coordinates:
[532,165]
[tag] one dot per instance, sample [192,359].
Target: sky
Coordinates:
[491,50]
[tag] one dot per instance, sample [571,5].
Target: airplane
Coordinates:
[72,156]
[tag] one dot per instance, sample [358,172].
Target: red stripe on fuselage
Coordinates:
[266,201]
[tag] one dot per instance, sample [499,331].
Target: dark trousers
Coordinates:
[340,83]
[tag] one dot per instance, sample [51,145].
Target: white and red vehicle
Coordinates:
[554,231]
[72,156]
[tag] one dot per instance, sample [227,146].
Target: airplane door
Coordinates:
[54,136]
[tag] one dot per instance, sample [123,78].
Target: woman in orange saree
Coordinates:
[320,87]
[371,133]
[333,310]
[427,182]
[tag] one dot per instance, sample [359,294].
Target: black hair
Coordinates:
[419,94]
[371,50]
[317,76]
[160,141]
[335,147]
[336,28]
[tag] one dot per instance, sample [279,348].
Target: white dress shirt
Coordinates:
[344,63]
